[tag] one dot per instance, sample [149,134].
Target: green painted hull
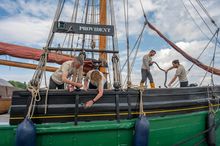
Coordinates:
[166,130]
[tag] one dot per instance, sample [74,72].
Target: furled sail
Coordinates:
[32,53]
[187,56]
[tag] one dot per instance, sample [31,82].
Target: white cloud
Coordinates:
[24,29]
[172,19]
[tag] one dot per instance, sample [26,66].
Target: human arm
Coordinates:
[97,97]
[86,84]
[80,74]
[173,79]
[66,80]
[86,80]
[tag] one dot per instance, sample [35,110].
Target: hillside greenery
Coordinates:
[18,84]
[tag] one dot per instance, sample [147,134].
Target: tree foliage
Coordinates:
[18,84]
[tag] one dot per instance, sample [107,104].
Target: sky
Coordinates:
[28,22]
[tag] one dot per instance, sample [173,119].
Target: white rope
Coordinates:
[34,93]
[47,88]
[141,106]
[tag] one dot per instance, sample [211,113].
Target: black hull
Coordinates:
[64,106]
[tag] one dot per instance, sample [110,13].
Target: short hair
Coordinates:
[79,60]
[152,51]
[176,61]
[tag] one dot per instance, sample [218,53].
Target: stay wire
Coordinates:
[136,43]
[206,12]
[213,59]
[204,49]
[125,2]
[200,16]
[177,83]
[211,62]
[187,10]
[203,19]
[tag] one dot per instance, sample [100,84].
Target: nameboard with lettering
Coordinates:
[81,28]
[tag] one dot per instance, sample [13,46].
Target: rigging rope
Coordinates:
[213,59]
[204,49]
[74,17]
[92,21]
[34,84]
[34,94]
[206,12]
[176,83]
[56,17]
[200,16]
[47,88]
[136,45]
[194,20]
[195,61]
[141,106]
[127,42]
[86,15]
[83,15]
[137,42]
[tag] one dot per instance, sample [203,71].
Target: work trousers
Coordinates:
[146,74]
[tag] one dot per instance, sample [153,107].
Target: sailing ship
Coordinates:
[177,116]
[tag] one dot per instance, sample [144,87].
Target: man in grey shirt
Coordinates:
[145,69]
[180,73]
[69,69]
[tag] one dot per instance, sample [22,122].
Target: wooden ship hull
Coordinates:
[64,106]
[177,116]
[174,115]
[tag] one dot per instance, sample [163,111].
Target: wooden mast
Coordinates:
[102,39]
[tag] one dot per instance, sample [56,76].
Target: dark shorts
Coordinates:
[53,85]
[184,84]
[91,86]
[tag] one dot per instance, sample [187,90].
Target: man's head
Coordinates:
[77,62]
[175,63]
[152,53]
